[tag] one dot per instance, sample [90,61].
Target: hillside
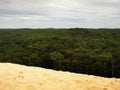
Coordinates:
[19,77]
[79,50]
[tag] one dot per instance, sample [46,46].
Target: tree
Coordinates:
[57,57]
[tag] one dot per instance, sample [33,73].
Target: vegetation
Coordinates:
[80,50]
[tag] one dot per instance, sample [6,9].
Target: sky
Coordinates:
[59,13]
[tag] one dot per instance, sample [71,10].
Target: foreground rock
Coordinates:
[19,77]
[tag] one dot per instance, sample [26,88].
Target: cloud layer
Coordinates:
[59,13]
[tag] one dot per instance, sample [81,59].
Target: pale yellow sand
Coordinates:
[19,77]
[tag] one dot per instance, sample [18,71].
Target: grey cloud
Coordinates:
[15,12]
[59,13]
[5,1]
[101,2]
[108,4]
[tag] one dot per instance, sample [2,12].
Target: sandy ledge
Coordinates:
[20,77]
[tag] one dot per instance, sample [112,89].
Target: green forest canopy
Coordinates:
[80,50]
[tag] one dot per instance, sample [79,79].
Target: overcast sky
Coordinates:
[59,13]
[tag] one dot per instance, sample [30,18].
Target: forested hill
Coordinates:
[80,50]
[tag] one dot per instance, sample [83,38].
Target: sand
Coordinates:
[20,77]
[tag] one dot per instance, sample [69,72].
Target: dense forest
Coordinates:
[80,50]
